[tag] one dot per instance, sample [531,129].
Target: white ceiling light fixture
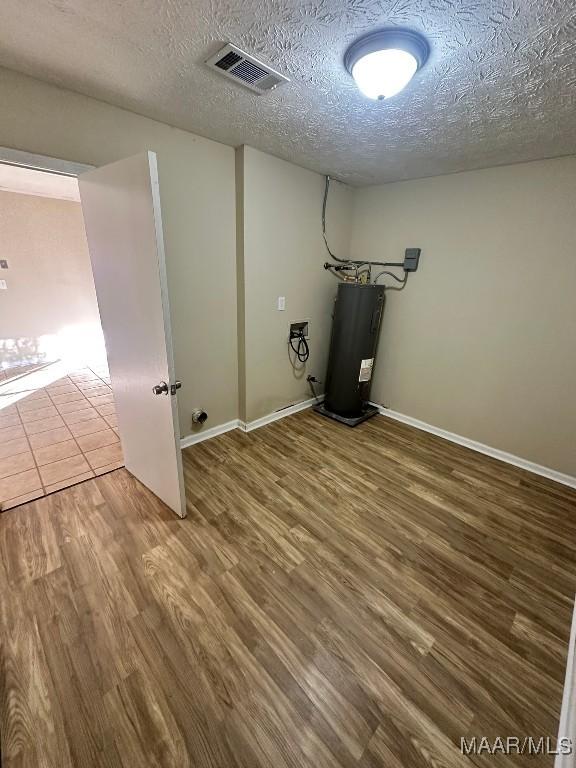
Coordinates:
[382,63]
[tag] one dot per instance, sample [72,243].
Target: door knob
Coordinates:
[173,387]
[160,389]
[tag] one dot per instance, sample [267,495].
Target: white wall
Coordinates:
[197,186]
[197,196]
[482,342]
[49,310]
[282,254]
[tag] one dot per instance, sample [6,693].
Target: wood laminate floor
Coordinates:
[336,597]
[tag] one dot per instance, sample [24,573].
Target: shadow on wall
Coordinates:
[298,367]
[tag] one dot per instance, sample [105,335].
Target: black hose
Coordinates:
[302,349]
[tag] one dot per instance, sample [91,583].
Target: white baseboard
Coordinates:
[281,414]
[206,434]
[495,453]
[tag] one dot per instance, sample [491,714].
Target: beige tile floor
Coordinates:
[6,374]
[56,431]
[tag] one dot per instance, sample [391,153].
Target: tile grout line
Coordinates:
[72,436]
[42,486]
[69,430]
[114,429]
[31,452]
[102,416]
[54,461]
[55,405]
[106,420]
[45,393]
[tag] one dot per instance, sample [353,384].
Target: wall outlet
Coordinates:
[281,303]
[3,285]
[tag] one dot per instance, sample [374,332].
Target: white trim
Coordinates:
[206,434]
[42,162]
[257,423]
[567,725]
[495,453]
[487,450]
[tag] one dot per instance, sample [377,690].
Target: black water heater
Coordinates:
[355,330]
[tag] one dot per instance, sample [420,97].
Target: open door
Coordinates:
[121,206]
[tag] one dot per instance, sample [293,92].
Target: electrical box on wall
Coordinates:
[298,329]
[411,259]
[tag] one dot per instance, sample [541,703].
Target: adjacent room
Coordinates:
[57,419]
[287,376]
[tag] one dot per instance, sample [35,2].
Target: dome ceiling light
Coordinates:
[382,63]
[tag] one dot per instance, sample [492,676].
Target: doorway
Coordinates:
[58,425]
[133,392]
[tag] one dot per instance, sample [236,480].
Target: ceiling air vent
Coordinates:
[245,69]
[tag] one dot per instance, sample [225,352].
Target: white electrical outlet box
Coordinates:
[281,303]
[3,285]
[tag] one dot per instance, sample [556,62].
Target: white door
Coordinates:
[121,206]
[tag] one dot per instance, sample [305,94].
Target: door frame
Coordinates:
[42,162]
[56,165]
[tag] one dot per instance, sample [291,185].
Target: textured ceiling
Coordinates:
[498,88]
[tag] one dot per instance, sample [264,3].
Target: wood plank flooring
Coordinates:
[336,597]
